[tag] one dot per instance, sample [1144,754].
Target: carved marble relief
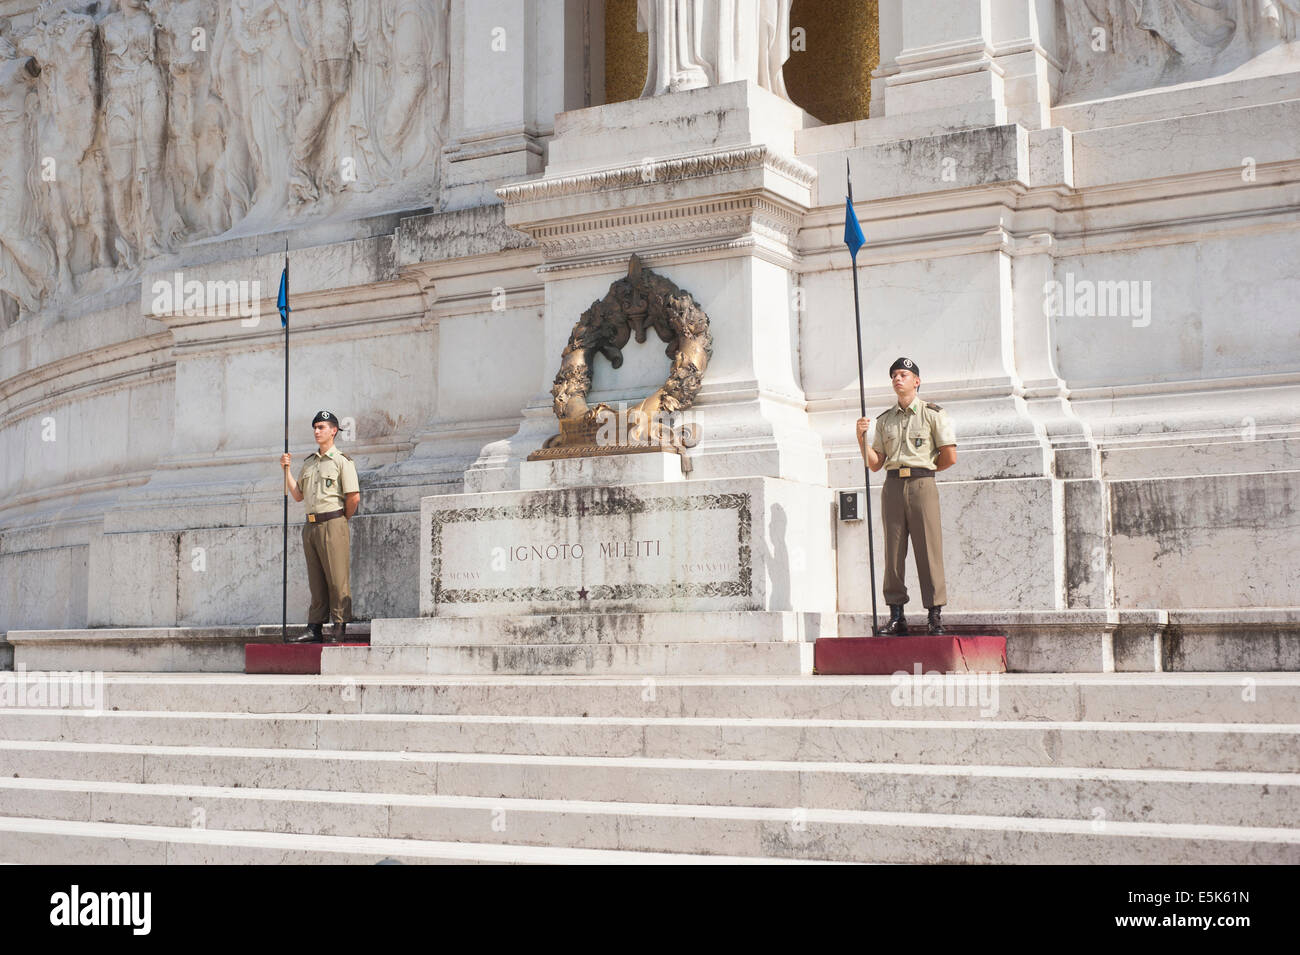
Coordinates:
[131,127]
[26,252]
[1120,46]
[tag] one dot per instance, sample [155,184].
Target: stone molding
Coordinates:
[650,228]
[668,170]
[479,230]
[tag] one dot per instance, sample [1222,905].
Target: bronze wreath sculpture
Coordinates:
[640,301]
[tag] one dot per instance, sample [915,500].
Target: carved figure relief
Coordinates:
[70,195]
[324,37]
[134,126]
[25,255]
[135,131]
[1119,46]
[194,137]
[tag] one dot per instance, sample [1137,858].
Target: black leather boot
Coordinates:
[897,626]
[311,635]
[936,625]
[337,632]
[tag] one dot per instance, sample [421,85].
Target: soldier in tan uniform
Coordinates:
[913,440]
[328,483]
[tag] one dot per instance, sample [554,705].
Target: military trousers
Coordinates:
[328,546]
[910,507]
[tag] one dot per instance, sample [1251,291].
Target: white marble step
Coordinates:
[834,835]
[58,842]
[1142,795]
[752,626]
[1208,697]
[1212,746]
[655,659]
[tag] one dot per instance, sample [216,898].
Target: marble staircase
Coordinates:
[1050,768]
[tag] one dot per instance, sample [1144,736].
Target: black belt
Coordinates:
[906,474]
[327,516]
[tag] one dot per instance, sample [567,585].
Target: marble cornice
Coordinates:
[690,223]
[676,169]
[733,202]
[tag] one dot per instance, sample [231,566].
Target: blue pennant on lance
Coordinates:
[282,301]
[853,236]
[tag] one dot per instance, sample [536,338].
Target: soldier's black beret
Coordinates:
[907,365]
[325,416]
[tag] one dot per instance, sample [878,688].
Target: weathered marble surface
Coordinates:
[1106,461]
[611,470]
[1125,45]
[740,544]
[135,128]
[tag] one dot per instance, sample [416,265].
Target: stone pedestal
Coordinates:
[737,544]
[666,577]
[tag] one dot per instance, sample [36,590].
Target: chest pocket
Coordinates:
[893,436]
[918,439]
[327,477]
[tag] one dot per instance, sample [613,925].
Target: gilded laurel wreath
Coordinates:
[640,301]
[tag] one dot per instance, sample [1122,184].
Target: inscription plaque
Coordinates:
[598,546]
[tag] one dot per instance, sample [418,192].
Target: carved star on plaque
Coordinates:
[582,594]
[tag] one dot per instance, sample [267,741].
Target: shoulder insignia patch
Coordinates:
[932,406]
[348,456]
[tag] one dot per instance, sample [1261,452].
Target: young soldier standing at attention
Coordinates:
[913,440]
[328,483]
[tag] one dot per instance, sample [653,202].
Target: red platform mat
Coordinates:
[287,657]
[885,655]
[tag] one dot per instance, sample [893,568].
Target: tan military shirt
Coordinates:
[911,437]
[324,480]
